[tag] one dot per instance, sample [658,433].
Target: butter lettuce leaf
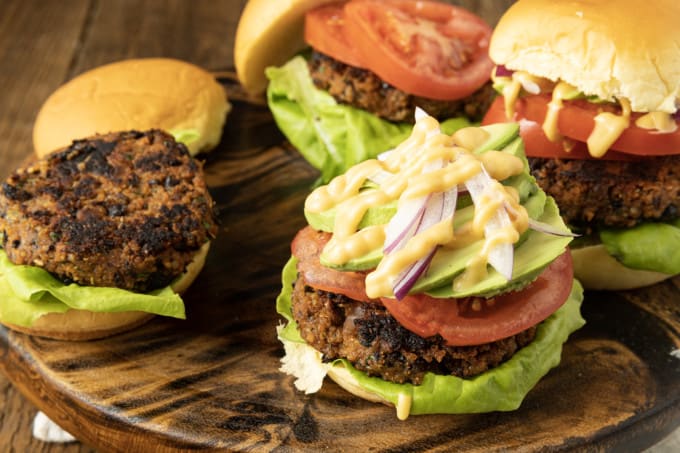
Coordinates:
[29,292]
[648,246]
[332,137]
[500,389]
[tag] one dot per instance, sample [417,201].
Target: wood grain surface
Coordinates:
[211,382]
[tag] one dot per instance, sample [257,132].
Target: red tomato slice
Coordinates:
[307,247]
[576,121]
[325,32]
[428,49]
[536,144]
[510,314]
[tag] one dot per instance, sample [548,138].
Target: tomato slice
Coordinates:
[427,316]
[510,314]
[428,49]
[325,32]
[536,144]
[576,121]
[306,247]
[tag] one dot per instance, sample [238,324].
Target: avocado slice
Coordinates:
[530,258]
[532,253]
[500,136]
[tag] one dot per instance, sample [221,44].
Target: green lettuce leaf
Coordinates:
[649,246]
[500,389]
[185,136]
[29,292]
[332,137]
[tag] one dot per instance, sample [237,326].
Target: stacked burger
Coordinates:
[594,86]
[344,78]
[108,226]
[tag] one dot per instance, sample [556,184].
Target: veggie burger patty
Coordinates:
[363,89]
[612,193]
[126,209]
[374,342]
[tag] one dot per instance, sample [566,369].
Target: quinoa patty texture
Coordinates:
[595,193]
[126,209]
[365,90]
[375,343]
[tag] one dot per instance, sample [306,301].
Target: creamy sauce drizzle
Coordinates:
[608,126]
[659,121]
[427,162]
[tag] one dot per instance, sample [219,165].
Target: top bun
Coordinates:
[268,33]
[610,49]
[141,94]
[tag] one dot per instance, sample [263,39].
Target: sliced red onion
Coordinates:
[501,257]
[404,223]
[531,87]
[542,227]
[410,276]
[438,206]
[502,71]
[549,229]
[420,114]
[380,176]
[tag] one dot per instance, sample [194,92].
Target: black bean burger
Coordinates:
[369,64]
[101,235]
[594,86]
[434,279]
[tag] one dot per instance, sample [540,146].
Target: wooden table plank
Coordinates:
[38,42]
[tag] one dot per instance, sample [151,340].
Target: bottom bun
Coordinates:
[597,269]
[344,379]
[79,325]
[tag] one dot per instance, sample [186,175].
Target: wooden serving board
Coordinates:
[212,382]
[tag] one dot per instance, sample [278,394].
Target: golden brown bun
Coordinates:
[611,49]
[344,379]
[268,34]
[597,269]
[78,325]
[134,94]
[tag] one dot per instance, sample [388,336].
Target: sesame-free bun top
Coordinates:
[610,49]
[141,94]
[268,34]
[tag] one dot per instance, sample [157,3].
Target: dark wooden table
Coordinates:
[45,43]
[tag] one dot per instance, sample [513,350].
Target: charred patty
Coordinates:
[363,89]
[127,210]
[375,343]
[623,194]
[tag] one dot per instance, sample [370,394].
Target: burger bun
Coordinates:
[268,34]
[597,46]
[596,269]
[140,94]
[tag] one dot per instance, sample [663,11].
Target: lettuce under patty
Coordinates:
[500,389]
[648,246]
[29,292]
[332,137]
